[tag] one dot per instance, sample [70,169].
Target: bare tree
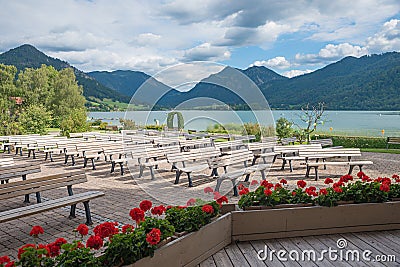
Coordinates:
[312,116]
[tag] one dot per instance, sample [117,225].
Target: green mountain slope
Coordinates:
[27,56]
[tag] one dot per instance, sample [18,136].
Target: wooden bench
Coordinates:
[230,145]
[186,145]
[291,152]
[41,184]
[323,142]
[196,160]
[242,156]
[288,141]
[392,141]
[329,153]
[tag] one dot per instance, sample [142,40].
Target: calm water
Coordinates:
[370,123]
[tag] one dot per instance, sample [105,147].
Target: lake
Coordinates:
[366,123]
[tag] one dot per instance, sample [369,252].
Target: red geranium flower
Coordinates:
[94,242]
[395,176]
[4,259]
[244,191]
[384,187]
[59,241]
[301,184]
[283,181]
[338,189]
[222,199]
[36,231]
[145,205]
[323,191]
[191,202]
[153,237]
[106,229]
[54,249]
[127,228]
[21,250]
[181,207]
[208,190]
[240,187]
[82,229]
[360,174]
[254,182]
[293,193]
[264,183]
[386,181]
[328,181]
[366,178]
[10,264]
[137,215]
[159,210]
[47,253]
[216,195]
[277,186]
[267,192]
[208,209]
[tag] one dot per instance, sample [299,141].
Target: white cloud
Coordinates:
[331,53]
[147,39]
[276,62]
[388,39]
[294,73]
[206,52]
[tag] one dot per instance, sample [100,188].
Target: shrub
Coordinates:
[35,120]
[356,141]
[128,124]
[74,122]
[284,128]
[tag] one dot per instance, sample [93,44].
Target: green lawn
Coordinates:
[381,150]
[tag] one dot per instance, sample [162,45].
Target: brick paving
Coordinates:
[122,193]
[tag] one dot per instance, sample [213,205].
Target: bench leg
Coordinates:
[219,182]
[87,212]
[121,165]
[20,151]
[360,166]
[34,154]
[51,157]
[93,165]
[141,169]
[29,153]
[45,157]
[283,164]
[38,197]
[235,191]
[151,172]
[73,160]
[263,174]
[112,167]
[316,173]
[190,180]
[27,195]
[178,174]
[307,171]
[72,212]
[85,162]
[273,160]
[351,169]
[66,159]
[290,166]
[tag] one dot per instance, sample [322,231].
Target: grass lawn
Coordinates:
[381,150]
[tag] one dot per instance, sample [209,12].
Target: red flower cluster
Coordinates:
[159,210]
[41,246]
[94,242]
[145,205]
[6,262]
[366,178]
[107,229]
[208,190]
[267,184]
[82,229]
[328,181]
[137,215]
[338,189]
[240,187]
[216,195]
[254,182]
[191,202]
[244,191]
[267,192]
[346,178]
[323,191]
[153,237]
[283,181]
[36,231]
[127,228]
[222,199]
[277,186]
[360,174]
[384,187]
[21,250]
[208,209]
[311,191]
[301,184]
[55,247]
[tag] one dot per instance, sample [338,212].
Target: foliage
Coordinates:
[35,119]
[284,128]
[170,120]
[76,256]
[247,129]
[103,126]
[356,141]
[74,122]
[128,124]
[155,127]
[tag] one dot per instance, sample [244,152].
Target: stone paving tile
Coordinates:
[122,193]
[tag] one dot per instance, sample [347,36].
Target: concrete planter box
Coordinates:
[315,220]
[193,248]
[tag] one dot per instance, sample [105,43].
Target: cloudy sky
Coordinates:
[289,36]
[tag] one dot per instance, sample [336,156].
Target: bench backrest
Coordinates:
[194,154]
[331,152]
[6,162]
[40,184]
[393,140]
[233,158]
[262,146]
[14,171]
[195,143]
[323,142]
[230,145]
[296,148]
[288,140]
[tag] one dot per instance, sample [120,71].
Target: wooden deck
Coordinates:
[245,253]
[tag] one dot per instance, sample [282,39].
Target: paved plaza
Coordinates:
[122,193]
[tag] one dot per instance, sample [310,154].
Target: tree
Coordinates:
[35,119]
[74,122]
[284,128]
[312,117]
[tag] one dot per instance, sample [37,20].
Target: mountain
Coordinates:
[365,83]
[27,56]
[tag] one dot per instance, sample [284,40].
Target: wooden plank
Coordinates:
[221,259]
[303,245]
[209,262]
[235,255]
[290,246]
[250,254]
[275,244]
[261,245]
[382,245]
[385,239]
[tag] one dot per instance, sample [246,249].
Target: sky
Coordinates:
[291,37]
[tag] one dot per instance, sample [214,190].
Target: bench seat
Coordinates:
[351,165]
